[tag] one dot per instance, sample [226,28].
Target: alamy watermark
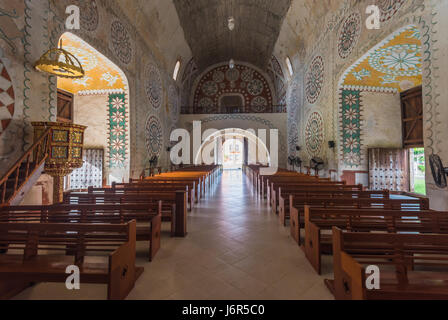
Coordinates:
[373,278]
[73,281]
[72,22]
[207,145]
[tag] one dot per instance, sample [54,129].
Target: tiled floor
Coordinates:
[235,249]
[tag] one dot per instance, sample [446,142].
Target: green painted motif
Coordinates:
[117,127]
[351,127]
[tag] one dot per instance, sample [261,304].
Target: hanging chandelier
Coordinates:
[61,63]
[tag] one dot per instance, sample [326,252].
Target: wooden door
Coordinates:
[389,169]
[412,118]
[65,107]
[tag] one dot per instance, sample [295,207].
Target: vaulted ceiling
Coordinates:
[257,26]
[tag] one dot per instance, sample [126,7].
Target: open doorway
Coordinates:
[233,154]
[417,170]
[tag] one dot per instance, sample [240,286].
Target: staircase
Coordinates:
[25,172]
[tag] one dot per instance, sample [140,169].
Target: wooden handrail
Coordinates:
[42,146]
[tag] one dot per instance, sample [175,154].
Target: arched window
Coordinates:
[176,70]
[289,65]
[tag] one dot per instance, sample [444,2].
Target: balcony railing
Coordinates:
[230,110]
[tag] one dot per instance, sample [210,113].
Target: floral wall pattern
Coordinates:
[314,79]
[242,80]
[314,134]
[118,130]
[389,8]
[154,136]
[153,85]
[277,76]
[351,127]
[392,66]
[349,35]
[121,42]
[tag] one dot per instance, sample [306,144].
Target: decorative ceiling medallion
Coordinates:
[400,60]
[349,35]
[314,79]
[396,60]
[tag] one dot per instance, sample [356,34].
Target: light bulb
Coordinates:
[231,64]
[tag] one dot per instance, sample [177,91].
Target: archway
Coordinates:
[100,100]
[253,149]
[376,124]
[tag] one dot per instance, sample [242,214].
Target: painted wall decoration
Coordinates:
[101,74]
[351,127]
[242,80]
[89,14]
[153,85]
[7,98]
[394,65]
[314,79]
[314,134]
[191,72]
[154,136]
[389,8]
[293,138]
[277,76]
[121,42]
[294,100]
[173,103]
[349,35]
[118,131]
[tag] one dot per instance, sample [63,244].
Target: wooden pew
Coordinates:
[411,266]
[297,206]
[284,203]
[176,202]
[281,194]
[152,186]
[41,252]
[147,217]
[318,220]
[267,181]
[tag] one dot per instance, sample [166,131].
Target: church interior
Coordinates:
[223,150]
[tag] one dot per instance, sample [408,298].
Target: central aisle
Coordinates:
[235,249]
